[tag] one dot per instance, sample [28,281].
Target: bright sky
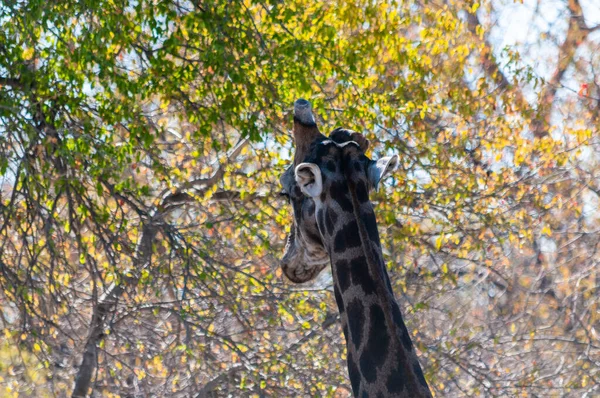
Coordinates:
[519,26]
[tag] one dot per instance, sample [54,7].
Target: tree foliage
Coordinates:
[140,226]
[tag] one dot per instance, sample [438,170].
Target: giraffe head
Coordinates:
[305,252]
[329,173]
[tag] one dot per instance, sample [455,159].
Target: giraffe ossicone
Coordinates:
[303,112]
[334,223]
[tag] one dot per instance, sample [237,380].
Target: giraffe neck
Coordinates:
[381,357]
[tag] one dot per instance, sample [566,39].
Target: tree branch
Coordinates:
[142,260]
[576,34]
[199,186]
[330,320]
[108,300]
[10,82]
[490,66]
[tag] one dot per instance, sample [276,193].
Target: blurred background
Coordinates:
[141,225]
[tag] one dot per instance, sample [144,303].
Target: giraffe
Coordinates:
[333,222]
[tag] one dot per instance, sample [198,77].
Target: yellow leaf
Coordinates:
[546,230]
[438,242]
[28,54]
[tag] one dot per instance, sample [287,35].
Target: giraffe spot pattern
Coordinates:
[356,319]
[379,338]
[362,194]
[315,237]
[298,191]
[343,274]
[341,195]
[338,300]
[323,196]
[405,338]
[357,273]
[358,166]
[340,135]
[330,221]
[388,283]
[371,225]
[419,373]
[347,238]
[322,151]
[361,276]
[354,374]
[396,381]
[330,164]
[338,242]
[367,367]
[298,207]
[376,350]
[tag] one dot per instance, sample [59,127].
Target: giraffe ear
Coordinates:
[379,169]
[308,177]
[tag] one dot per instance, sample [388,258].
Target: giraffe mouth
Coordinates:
[300,265]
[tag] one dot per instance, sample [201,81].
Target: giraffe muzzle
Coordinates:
[305,129]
